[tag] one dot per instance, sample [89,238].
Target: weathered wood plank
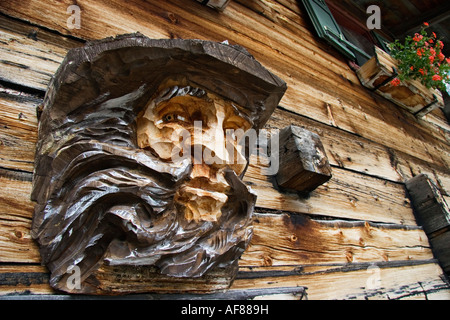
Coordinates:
[114,280]
[390,280]
[376,196]
[409,167]
[339,242]
[289,293]
[18,144]
[24,279]
[437,122]
[303,97]
[433,214]
[322,87]
[19,125]
[346,195]
[440,244]
[15,198]
[16,243]
[296,239]
[364,281]
[15,218]
[344,150]
[18,153]
[30,55]
[18,130]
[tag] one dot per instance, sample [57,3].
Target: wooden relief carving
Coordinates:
[133,173]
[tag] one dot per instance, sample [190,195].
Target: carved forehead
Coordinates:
[112,68]
[196,98]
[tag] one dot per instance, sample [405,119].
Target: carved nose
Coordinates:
[218,155]
[211,148]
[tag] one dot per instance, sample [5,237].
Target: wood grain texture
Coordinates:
[347,195]
[397,281]
[420,280]
[303,163]
[30,55]
[431,209]
[313,91]
[344,150]
[18,130]
[330,242]
[296,239]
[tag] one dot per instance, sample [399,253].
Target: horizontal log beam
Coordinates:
[397,280]
[391,280]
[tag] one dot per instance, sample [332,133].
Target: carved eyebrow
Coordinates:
[177,91]
[176,108]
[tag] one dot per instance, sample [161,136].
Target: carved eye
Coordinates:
[169,117]
[172,117]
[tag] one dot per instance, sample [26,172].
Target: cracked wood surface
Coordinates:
[327,242]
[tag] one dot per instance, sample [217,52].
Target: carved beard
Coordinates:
[103,200]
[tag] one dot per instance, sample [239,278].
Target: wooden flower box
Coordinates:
[377,73]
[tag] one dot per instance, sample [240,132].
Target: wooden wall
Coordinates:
[356,228]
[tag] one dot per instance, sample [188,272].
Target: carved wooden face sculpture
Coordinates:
[137,162]
[185,122]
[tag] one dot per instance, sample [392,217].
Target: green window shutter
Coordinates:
[328,29]
[382,41]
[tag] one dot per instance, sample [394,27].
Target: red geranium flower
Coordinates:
[395,82]
[417,37]
[420,57]
[436,78]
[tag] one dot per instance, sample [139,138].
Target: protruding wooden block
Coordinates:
[433,214]
[431,210]
[216,4]
[303,164]
[440,245]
